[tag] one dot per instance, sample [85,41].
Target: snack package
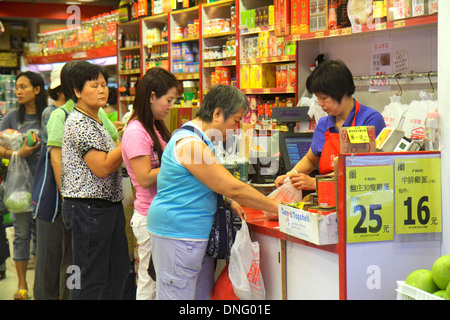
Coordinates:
[11,139]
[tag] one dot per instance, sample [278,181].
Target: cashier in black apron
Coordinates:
[332,83]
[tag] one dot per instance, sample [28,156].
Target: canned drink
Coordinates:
[314,210]
[325,192]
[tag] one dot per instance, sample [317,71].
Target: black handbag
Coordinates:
[223,233]
[225,225]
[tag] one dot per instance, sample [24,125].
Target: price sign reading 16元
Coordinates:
[418,195]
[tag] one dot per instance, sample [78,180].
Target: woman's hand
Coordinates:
[236,207]
[279,180]
[303,181]
[26,151]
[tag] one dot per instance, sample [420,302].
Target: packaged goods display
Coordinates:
[95,31]
[185,57]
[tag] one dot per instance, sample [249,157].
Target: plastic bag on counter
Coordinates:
[414,124]
[18,184]
[284,193]
[394,112]
[244,267]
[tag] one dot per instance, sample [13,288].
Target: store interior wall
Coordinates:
[444,110]
[420,45]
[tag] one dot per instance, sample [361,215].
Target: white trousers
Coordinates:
[146,287]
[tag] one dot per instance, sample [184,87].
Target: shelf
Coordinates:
[219,63]
[220,34]
[286,58]
[109,50]
[156,44]
[185,39]
[390,25]
[127,99]
[135,48]
[269,91]
[187,76]
[128,72]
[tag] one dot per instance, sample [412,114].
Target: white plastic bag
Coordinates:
[394,112]
[18,184]
[284,193]
[244,267]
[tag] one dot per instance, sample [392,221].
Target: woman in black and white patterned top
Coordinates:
[91,185]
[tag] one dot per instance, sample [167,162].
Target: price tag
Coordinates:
[358,134]
[370,203]
[418,196]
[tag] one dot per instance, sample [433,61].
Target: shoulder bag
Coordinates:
[45,197]
[226,221]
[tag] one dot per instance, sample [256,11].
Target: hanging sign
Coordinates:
[418,195]
[370,203]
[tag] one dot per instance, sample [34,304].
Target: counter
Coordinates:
[367,261]
[293,268]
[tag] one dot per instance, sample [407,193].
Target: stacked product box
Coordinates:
[299,16]
[286,75]
[318,15]
[258,17]
[282,17]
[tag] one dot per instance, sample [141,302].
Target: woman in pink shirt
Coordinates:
[143,143]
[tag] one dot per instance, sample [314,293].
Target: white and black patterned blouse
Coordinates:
[81,134]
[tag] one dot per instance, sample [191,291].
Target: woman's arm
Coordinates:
[202,163]
[142,168]
[102,163]
[24,152]
[300,173]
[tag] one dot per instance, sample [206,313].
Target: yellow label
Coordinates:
[418,196]
[370,203]
[358,134]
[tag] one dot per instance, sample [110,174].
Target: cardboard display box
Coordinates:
[311,227]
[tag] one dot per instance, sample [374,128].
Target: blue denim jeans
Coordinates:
[24,235]
[99,246]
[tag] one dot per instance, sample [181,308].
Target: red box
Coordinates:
[299,16]
[282,15]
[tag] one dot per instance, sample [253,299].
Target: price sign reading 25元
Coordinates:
[418,195]
[370,203]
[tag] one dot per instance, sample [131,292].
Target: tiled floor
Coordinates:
[9,285]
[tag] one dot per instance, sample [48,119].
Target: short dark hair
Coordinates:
[228,98]
[331,78]
[112,97]
[66,81]
[83,72]
[54,93]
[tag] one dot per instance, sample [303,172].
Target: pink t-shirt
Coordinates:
[137,142]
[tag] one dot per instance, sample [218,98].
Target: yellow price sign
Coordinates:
[418,195]
[358,134]
[370,203]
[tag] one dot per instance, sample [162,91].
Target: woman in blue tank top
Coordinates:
[181,215]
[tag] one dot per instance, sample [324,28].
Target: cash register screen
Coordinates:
[293,147]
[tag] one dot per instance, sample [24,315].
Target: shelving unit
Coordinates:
[219,45]
[129,62]
[155,49]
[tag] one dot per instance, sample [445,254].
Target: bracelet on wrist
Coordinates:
[229,202]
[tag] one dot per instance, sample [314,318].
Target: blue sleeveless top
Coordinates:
[184,207]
